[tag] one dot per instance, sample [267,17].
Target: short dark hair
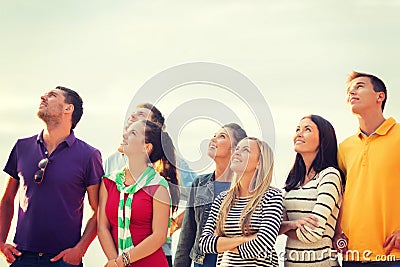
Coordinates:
[326,156]
[377,84]
[72,97]
[156,116]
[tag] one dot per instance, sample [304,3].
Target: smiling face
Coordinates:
[361,95]
[246,156]
[138,114]
[306,139]
[133,143]
[52,106]
[220,145]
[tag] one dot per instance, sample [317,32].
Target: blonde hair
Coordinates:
[259,185]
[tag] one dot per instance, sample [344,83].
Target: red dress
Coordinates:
[141,220]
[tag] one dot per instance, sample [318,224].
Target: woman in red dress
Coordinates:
[134,205]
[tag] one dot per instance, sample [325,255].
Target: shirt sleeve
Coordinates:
[94,169]
[329,195]
[272,207]
[208,241]
[106,166]
[11,165]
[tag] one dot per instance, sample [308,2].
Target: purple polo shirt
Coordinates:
[50,214]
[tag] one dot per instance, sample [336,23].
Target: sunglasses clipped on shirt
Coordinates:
[39,175]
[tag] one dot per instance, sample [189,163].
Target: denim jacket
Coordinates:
[201,197]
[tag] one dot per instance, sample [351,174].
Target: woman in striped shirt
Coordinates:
[313,196]
[244,222]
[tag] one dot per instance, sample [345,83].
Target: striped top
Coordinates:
[265,220]
[321,197]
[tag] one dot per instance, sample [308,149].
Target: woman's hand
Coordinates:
[309,220]
[244,239]
[250,237]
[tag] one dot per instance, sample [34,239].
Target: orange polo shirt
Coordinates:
[371,208]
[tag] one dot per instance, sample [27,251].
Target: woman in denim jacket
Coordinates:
[205,188]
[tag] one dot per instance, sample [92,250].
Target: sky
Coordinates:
[297,53]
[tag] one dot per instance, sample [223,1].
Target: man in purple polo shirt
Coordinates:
[52,170]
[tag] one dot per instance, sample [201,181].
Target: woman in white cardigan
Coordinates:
[313,196]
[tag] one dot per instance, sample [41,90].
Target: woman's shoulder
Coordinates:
[151,189]
[329,170]
[223,194]
[112,176]
[329,174]
[108,183]
[218,200]
[273,193]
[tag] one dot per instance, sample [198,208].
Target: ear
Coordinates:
[149,148]
[381,97]
[69,108]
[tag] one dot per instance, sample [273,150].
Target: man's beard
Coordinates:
[49,117]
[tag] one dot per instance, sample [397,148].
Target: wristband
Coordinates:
[126,259]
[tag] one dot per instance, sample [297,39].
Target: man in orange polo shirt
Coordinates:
[370,213]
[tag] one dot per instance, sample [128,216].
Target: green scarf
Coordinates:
[148,178]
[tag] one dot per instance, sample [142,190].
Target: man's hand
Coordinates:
[393,241]
[70,255]
[340,242]
[9,252]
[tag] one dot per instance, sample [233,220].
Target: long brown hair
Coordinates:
[163,158]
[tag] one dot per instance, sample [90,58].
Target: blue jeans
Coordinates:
[210,260]
[31,259]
